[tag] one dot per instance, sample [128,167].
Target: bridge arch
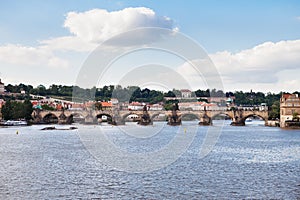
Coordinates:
[152,117]
[254,115]
[50,118]
[124,116]
[76,117]
[109,117]
[214,116]
[191,115]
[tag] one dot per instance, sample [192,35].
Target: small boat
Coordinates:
[15,123]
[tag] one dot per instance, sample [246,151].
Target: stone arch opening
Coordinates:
[159,117]
[104,117]
[50,119]
[132,118]
[125,116]
[190,117]
[77,117]
[248,118]
[221,116]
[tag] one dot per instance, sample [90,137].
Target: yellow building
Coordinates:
[289,104]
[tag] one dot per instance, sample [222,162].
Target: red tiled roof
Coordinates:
[106,104]
[135,104]
[185,90]
[286,96]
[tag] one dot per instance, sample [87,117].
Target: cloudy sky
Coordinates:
[252,44]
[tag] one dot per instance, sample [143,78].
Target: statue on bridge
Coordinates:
[145,119]
[174,119]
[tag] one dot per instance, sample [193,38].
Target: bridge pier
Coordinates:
[63,119]
[37,118]
[205,120]
[145,119]
[237,119]
[89,120]
[117,120]
[174,119]
[239,123]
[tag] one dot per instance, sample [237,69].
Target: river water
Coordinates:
[246,162]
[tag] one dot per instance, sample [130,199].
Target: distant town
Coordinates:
[23,101]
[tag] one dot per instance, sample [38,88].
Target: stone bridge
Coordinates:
[118,117]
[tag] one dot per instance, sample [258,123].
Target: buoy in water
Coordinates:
[17,132]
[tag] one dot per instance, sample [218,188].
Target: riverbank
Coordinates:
[272,123]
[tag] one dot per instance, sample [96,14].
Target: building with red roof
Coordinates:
[289,107]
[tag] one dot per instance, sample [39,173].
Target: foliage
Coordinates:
[98,106]
[169,94]
[295,116]
[168,106]
[13,110]
[255,98]
[202,93]
[134,93]
[47,107]
[275,110]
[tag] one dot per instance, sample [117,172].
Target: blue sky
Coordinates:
[218,26]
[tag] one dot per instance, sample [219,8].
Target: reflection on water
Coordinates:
[247,162]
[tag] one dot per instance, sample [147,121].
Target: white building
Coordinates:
[191,106]
[2,89]
[135,106]
[155,107]
[185,93]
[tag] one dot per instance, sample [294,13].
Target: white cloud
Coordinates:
[22,55]
[68,43]
[261,63]
[98,25]
[264,64]
[95,26]
[87,30]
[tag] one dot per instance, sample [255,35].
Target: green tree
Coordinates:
[6,110]
[295,116]
[275,110]
[47,107]
[13,110]
[41,90]
[169,94]
[98,106]
[27,109]
[202,93]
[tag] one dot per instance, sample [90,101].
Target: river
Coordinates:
[244,162]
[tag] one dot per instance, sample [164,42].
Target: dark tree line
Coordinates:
[17,110]
[135,93]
